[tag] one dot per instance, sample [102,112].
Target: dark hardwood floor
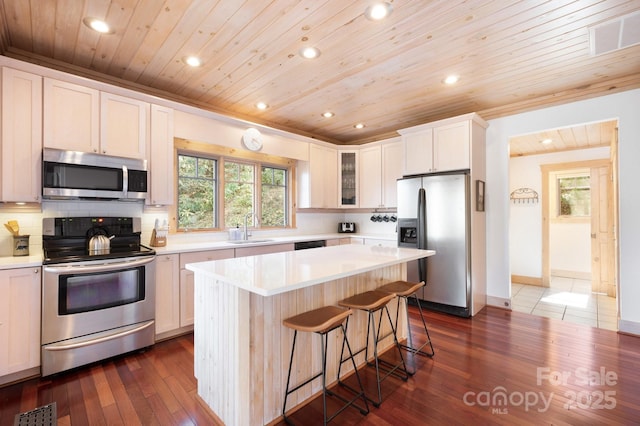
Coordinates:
[499,367]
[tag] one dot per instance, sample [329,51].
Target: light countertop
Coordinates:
[11,262]
[276,273]
[35,258]
[199,245]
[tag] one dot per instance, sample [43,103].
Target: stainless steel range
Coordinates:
[95,303]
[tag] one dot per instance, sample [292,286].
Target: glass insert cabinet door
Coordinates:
[348,190]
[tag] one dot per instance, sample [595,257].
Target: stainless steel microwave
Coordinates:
[75,175]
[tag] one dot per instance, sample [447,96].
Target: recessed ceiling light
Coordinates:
[546,141]
[309,52]
[378,11]
[359,126]
[192,61]
[262,105]
[451,79]
[97,25]
[328,114]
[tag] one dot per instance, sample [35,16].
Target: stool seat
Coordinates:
[368,301]
[401,288]
[318,320]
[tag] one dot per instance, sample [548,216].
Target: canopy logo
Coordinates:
[499,399]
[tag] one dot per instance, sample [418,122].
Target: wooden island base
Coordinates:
[242,349]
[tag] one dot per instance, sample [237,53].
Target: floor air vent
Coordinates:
[43,416]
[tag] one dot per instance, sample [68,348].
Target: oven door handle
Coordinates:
[103,267]
[98,340]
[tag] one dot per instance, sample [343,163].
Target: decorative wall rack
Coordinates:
[524,195]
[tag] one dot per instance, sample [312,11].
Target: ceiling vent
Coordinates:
[615,34]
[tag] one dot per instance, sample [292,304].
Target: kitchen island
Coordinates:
[241,347]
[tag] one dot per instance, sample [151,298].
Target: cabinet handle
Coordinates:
[35,271]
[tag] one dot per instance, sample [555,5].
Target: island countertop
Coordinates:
[277,273]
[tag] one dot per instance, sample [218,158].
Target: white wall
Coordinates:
[621,106]
[568,249]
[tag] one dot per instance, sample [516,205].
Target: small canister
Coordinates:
[21,245]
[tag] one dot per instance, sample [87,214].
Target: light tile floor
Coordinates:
[566,299]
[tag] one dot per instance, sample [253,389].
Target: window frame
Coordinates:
[258,160]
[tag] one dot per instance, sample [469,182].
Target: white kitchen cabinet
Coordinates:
[418,152]
[20,299]
[348,191]
[380,167]
[80,118]
[161,167]
[391,172]
[440,146]
[317,178]
[256,250]
[21,137]
[124,126]
[451,147]
[186,280]
[167,293]
[370,179]
[379,242]
[71,116]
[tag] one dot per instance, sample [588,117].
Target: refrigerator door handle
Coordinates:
[422,232]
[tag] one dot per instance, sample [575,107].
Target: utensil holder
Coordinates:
[21,245]
[158,239]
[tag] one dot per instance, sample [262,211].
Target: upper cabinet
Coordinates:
[370,179]
[391,172]
[161,167]
[317,178]
[380,167]
[348,178]
[124,126]
[79,118]
[21,136]
[71,116]
[440,146]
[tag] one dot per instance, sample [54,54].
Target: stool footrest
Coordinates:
[419,350]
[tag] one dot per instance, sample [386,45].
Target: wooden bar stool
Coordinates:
[322,321]
[404,290]
[372,302]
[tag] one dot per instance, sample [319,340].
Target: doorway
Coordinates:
[575,283]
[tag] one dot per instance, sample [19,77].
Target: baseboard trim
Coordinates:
[571,274]
[19,376]
[499,302]
[629,327]
[522,279]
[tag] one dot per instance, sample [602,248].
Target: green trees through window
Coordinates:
[196,192]
[574,196]
[244,191]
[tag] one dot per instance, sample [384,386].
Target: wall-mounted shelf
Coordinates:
[524,195]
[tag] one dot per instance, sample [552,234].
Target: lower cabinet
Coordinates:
[20,299]
[167,293]
[186,280]
[380,243]
[256,250]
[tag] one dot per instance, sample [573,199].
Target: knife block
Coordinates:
[158,240]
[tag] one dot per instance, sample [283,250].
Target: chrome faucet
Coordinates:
[246,220]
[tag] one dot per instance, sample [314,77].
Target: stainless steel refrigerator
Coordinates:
[434,213]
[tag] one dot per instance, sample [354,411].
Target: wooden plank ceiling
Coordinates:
[511,56]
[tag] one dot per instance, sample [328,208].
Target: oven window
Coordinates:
[102,290]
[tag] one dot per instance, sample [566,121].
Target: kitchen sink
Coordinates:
[248,241]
